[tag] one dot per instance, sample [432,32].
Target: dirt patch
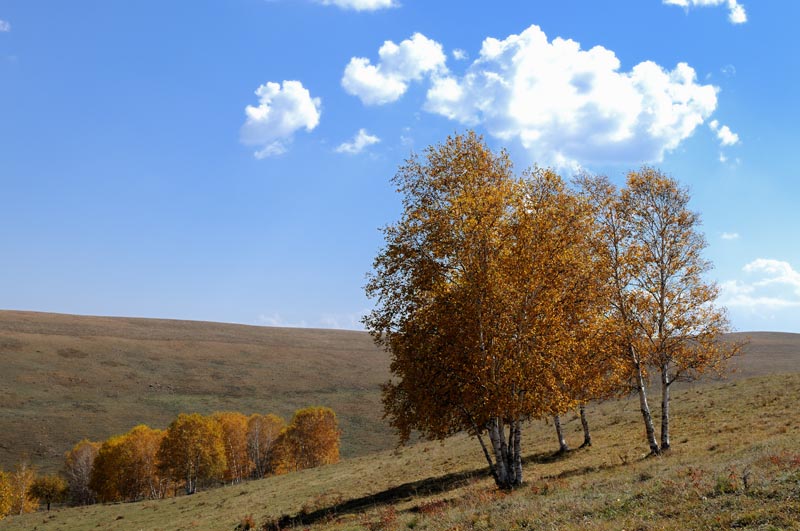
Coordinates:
[71,353]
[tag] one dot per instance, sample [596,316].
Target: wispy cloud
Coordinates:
[736,11]
[360,141]
[361,5]
[730,236]
[343,321]
[770,285]
[276,319]
[5,27]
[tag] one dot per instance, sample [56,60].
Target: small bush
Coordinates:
[246,523]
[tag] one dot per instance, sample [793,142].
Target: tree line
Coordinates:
[195,451]
[504,298]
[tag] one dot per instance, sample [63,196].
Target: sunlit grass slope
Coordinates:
[735,463]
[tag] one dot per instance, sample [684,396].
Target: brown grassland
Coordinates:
[66,377]
[735,461]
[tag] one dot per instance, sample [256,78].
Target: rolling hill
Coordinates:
[734,464]
[67,377]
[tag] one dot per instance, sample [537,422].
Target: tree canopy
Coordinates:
[485,291]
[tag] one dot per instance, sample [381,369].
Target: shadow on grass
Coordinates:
[404,492]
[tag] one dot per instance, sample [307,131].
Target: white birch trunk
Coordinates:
[562,443]
[645,408]
[665,383]
[587,436]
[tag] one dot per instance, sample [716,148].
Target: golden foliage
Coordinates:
[661,306]
[234,437]
[49,489]
[488,296]
[20,480]
[5,494]
[193,451]
[310,440]
[262,434]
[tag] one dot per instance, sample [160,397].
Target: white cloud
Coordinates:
[736,11]
[772,284]
[361,5]
[460,55]
[724,134]
[361,140]
[343,321]
[399,64]
[570,106]
[5,27]
[730,235]
[276,319]
[281,111]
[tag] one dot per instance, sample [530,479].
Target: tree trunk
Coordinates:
[665,383]
[518,452]
[507,459]
[587,436]
[562,443]
[648,419]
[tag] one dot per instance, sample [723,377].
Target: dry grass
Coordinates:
[67,377]
[735,463]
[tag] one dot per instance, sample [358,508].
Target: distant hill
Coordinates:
[67,377]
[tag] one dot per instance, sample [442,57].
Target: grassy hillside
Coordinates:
[67,377]
[735,464]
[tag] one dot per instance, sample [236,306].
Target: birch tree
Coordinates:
[616,240]
[675,317]
[664,308]
[310,440]
[234,438]
[78,463]
[192,451]
[262,434]
[476,298]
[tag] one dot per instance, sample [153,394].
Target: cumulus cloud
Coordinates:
[399,64]
[281,111]
[5,27]
[570,106]
[771,284]
[730,235]
[724,134]
[361,5]
[361,140]
[736,11]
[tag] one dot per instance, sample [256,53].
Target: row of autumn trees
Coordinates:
[194,451]
[503,298]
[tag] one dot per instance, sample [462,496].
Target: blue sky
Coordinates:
[230,161]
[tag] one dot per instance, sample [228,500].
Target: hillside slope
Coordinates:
[67,377]
[714,478]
